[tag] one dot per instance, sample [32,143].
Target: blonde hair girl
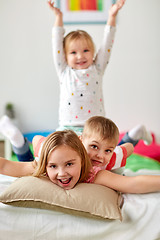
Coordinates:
[62,142]
[67,138]
[78,35]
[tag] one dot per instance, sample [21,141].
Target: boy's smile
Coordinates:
[99,151]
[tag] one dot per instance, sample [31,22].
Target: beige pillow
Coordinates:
[84,199]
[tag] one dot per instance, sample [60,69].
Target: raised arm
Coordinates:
[58,14]
[113,11]
[57,40]
[125,184]
[16,169]
[104,52]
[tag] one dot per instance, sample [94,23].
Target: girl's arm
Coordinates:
[36,140]
[113,11]
[58,14]
[37,143]
[103,54]
[57,40]
[16,169]
[125,184]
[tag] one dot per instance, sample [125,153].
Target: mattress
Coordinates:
[140,212]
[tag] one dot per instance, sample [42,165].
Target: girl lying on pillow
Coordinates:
[65,161]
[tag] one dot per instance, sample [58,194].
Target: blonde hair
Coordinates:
[75,35]
[68,138]
[103,127]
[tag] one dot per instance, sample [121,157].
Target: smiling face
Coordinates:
[100,151]
[79,54]
[64,167]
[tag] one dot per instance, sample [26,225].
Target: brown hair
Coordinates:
[68,138]
[101,126]
[79,34]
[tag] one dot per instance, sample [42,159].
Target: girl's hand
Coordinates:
[113,12]
[56,10]
[116,7]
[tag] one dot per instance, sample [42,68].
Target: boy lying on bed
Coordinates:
[118,154]
[64,160]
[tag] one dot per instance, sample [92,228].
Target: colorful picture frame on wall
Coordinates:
[84,11]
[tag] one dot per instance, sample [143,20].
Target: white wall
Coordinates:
[28,78]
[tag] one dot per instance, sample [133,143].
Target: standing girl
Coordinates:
[80,70]
[80,74]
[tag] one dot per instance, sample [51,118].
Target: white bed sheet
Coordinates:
[141,221]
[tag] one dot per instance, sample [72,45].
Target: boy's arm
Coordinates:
[16,169]
[125,184]
[129,148]
[119,156]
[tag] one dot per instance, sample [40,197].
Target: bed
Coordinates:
[140,215]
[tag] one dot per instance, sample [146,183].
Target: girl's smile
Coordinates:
[79,55]
[64,167]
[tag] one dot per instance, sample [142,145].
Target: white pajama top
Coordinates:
[81,95]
